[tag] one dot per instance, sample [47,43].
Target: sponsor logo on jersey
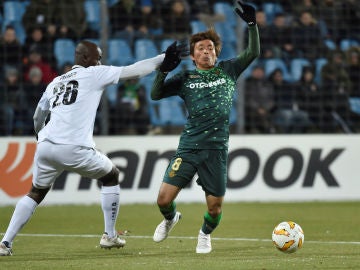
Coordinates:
[209,84]
[172,173]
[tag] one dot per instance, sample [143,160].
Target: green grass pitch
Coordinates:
[67,237]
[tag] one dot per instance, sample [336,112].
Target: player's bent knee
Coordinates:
[112,178]
[167,194]
[214,212]
[38,194]
[164,199]
[163,202]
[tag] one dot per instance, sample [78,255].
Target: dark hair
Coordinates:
[306,69]
[9,27]
[209,34]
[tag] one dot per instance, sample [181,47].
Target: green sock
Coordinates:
[210,223]
[169,211]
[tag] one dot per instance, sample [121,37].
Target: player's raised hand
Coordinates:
[172,58]
[183,49]
[246,12]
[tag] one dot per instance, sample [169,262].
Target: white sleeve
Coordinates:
[141,68]
[39,119]
[41,112]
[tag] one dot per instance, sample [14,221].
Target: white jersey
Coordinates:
[73,99]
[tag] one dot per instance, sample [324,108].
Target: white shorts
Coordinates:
[52,159]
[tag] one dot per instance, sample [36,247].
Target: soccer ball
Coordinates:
[288,236]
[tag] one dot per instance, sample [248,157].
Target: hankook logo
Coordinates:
[12,179]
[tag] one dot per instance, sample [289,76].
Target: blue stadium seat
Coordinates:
[111,93]
[64,50]
[92,10]
[226,33]
[168,112]
[20,32]
[119,53]
[226,28]
[319,63]
[228,11]
[111,2]
[271,9]
[296,67]
[185,64]
[172,111]
[347,43]
[164,43]
[355,105]
[324,32]
[94,40]
[227,52]
[276,63]
[197,26]
[330,44]
[145,48]
[247,72]
[165,112]
[147,82]
[233,113]
[13,12]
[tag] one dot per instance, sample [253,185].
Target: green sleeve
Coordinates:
[236,66]
[253,49]
[162,89]
[157,86]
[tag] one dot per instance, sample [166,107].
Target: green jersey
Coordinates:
[208,96]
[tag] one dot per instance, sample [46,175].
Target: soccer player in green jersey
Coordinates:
[203,148]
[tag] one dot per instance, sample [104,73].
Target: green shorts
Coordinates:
[209,164]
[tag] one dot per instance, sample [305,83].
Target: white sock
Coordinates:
[24,210]
[110,197]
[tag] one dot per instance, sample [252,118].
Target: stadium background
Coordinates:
[315,162]
[327,104]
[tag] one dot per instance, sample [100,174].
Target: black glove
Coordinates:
[172,58]
[247,13]
[183,49]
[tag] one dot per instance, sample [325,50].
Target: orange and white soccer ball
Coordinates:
[288,236]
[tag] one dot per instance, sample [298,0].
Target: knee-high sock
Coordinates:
[169,212]
[24,210]
[210,223]
[110,197]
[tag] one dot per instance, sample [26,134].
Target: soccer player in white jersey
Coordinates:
[66,143]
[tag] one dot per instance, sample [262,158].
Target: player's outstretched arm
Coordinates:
[173,55]
[248,14]
[141,68]
[165,62]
